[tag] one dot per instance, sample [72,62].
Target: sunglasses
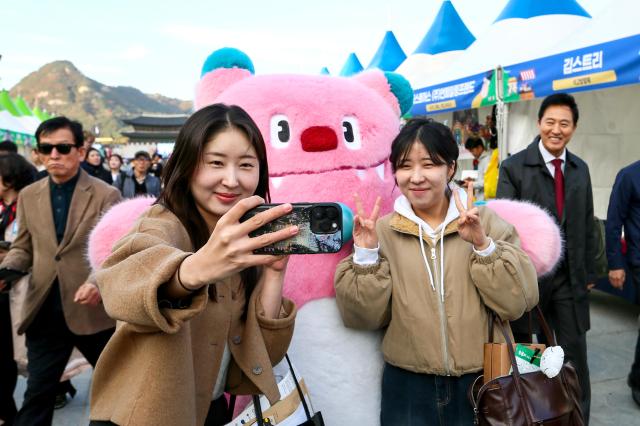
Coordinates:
[63,148]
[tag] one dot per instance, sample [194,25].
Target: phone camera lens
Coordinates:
[318,213]
[325,226]
[332,213]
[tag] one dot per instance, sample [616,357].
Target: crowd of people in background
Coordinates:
[139,175]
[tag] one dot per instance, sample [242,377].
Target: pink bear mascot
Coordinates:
[327,138]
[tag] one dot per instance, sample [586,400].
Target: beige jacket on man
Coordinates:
[161,365]
[425,334]
[36,246]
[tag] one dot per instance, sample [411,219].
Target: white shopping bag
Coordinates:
[288,411]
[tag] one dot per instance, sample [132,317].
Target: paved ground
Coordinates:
[611,343]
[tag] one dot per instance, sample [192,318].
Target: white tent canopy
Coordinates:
[12,124]
[608,130]
[512,41]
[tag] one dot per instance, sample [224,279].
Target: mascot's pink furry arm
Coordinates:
[327,137]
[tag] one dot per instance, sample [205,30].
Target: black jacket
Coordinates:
[624,210]
[98,172]
[524,176]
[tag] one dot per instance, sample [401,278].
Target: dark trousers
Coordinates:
[558,310]
[219,415]
[8,366]
[415,399]
[634,375]
[49,345]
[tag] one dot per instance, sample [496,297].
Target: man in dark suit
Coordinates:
[547,174]
[624,212]
[62,307]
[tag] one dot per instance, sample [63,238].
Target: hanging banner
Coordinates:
[458,94]
[610,64]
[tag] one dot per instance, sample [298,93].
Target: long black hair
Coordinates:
[176,196]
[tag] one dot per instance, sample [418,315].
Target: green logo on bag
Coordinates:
[530,355]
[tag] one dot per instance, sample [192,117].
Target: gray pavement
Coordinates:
[611,345]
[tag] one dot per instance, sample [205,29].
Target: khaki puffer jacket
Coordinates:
[427,333]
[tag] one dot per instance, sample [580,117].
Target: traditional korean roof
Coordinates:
[157,120]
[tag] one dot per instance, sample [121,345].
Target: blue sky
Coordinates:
[159,46]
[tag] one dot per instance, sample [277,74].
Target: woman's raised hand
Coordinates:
[230,248]
[364,227]
[469,227]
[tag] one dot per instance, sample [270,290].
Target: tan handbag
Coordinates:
[529,398]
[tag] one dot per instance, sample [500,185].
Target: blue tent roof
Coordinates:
[530,8]
[352,66]
[447,32]
[389,55]
[325,71]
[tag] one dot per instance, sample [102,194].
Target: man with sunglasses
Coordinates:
[63,308]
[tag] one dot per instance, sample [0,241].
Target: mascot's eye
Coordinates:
[348,131]
[280,131]
[351,133]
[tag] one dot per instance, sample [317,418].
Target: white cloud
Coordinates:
[135,52]
[258,39]
[44,39]
[19,58]
[99,71]
[277,50]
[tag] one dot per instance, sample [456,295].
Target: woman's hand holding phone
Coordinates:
[364,226]
[230,248]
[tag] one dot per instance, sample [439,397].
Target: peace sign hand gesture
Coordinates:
[469,227]
[364,228]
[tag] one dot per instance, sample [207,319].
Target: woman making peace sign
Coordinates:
[427,272]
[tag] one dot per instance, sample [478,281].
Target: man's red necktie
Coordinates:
[559,184]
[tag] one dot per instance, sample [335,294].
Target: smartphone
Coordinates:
[320,229]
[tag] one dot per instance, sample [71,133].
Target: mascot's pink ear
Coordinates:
[539,234]
[113,225]
[394,89]
[222,69]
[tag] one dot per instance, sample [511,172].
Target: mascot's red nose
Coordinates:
[319,138]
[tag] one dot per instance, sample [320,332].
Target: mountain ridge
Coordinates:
[62,89]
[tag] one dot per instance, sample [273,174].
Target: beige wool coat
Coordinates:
[161,365]
[36,247]
[425,334]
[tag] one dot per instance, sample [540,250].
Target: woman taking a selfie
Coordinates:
[199,314]
[428,272]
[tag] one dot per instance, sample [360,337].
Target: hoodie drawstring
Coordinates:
[442,264]
[424,256]
[426,262]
